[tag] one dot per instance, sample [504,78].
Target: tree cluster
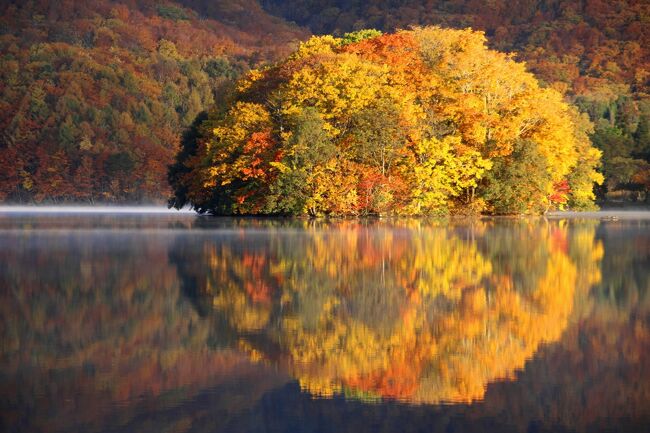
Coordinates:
[418,122]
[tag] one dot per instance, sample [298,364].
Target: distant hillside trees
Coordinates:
[94,95]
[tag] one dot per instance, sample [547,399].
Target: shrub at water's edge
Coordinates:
[420,122]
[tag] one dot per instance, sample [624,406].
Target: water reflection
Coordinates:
[406,311]
[197,324]
[94,320]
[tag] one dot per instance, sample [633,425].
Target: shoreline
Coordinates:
[607,214]
[635,213]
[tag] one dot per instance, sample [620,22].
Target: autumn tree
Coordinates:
[410,123]
[594,52]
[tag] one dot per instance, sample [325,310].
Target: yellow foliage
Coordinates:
[253,76]
[316,45]
[416,120]
[338,86]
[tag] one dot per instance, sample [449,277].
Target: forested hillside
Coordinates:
[95,94]
[594,50]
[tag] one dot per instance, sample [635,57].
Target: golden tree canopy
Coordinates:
[412,123]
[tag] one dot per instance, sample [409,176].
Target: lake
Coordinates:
[172,322]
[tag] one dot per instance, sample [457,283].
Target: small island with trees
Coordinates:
[426,121]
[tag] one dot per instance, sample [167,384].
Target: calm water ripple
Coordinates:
[174,322]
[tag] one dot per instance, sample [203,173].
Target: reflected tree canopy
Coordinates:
[402,310]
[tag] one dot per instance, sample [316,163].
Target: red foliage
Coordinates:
[561,191]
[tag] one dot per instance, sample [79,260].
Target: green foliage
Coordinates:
[119,164]
[642,138]
[221,67]
[172,12]
[624,154]
[517,185]
[360,35]
[308,147]
[179,168]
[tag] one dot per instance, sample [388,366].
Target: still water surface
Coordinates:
[179,323]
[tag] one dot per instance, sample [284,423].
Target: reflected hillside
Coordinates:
[403,310]
[93,321]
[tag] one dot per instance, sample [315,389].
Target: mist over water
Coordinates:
[79,209]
